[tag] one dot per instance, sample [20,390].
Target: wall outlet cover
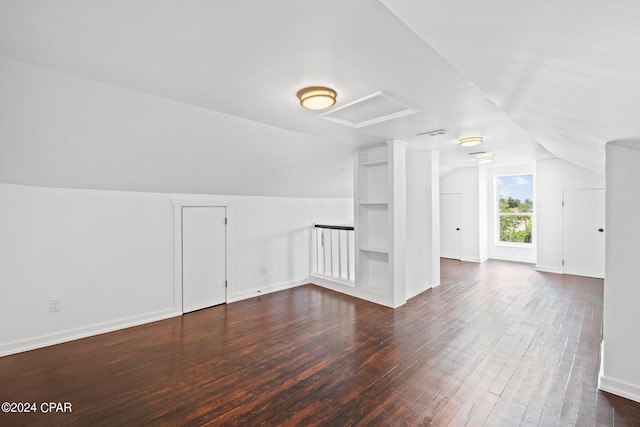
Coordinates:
[55,305]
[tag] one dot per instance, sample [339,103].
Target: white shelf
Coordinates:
[374,163]
[380,204]
[375,250]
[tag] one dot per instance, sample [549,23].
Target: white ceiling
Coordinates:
[527,76]
[568,72]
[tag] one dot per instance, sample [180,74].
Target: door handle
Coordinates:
[601,229]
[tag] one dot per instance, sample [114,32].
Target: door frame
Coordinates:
[178,204]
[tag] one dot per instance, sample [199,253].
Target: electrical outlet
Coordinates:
[263,270]
[55,305]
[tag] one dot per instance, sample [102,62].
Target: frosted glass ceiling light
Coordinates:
[317,97]
[484,159]
[470,141]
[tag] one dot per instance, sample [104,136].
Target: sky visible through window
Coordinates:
[515,186]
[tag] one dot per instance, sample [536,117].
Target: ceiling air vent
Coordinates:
[375,108]
[433,132]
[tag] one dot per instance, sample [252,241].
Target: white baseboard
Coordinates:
[514,259]
[474,259]
[619,388]
[74,334]
[325,279]
[84,332]
[547,269]
[266,290]
[351,290]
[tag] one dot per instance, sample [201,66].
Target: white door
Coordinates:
[583,238]
[203,257]
[450,233]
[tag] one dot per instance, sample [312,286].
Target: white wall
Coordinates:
[468,182]
[506,251]
[620,370]
[476,186]
[423,222]
[109,257]
[276,233]
[553,176]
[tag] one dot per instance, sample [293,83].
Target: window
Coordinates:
[515,209]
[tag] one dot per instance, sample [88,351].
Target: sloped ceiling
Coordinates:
[567,71]
[531,78]
[57,130]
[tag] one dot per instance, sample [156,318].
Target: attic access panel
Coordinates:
[375,108]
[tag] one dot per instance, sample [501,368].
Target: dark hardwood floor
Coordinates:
[497,344]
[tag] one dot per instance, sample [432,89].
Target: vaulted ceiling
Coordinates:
[535,79]
[568,72]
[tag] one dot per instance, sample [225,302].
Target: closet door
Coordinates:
[450,233]
[203,257]
[583,242]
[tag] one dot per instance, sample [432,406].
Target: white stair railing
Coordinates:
[334,253]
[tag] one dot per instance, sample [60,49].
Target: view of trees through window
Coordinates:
[515,208]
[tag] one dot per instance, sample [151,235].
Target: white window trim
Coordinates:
[498,214]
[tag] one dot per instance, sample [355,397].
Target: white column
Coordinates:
[619,369]
[423,222]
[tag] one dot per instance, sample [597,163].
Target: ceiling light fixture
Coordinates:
[317,97]
[470,141]
[484,159]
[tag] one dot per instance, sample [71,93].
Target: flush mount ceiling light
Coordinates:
[470,141]
[317,97]
[484,159]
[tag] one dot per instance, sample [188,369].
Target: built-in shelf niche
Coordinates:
[379,195]
[374,184]
[374,223]
[375,271]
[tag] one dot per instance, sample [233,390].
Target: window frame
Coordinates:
[499,214]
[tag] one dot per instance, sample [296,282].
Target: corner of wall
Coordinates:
[267,290]
[613,386]
[619,388]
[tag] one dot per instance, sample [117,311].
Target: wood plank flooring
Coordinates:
[497,344]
